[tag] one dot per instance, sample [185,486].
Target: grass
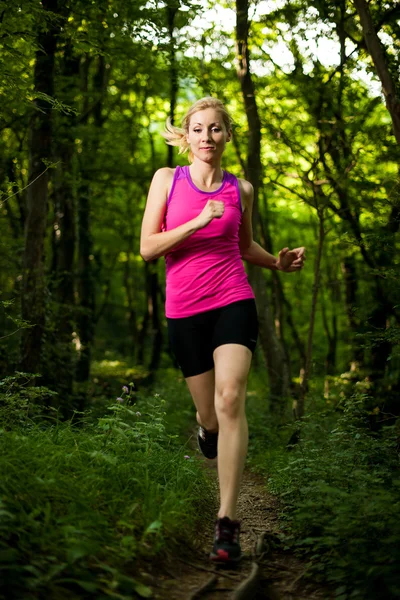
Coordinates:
[82,504]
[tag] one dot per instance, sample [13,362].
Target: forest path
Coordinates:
[266,572]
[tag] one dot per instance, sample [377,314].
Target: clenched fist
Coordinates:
[291,260]
[214,209]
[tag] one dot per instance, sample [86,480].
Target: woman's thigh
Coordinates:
[232,366]
[191,342]
[234,340]
[236,323]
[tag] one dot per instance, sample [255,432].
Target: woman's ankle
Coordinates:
[211,426]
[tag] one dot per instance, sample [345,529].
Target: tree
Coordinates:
[34,286]
[390,85]
[273,351]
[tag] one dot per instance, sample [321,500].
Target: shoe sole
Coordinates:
[223,558]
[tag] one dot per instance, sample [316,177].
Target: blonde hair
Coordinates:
[176,136]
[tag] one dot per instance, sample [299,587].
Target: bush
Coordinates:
[341,495]
[80,504]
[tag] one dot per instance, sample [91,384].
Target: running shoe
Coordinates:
[207,442]
[226,547]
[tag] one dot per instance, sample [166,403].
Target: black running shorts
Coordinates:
[194,339]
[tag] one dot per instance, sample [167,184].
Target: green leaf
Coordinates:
[143,590]
[154,527]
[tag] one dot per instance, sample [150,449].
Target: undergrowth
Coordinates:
[83,504]
[340,496]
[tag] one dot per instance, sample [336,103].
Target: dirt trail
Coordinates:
[267,572]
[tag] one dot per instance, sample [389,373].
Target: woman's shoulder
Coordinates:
[246,192]
[245,186]
[165,174]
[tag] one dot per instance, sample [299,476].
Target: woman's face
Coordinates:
[207,135]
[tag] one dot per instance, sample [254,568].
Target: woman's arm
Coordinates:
[288,260]
[154,242]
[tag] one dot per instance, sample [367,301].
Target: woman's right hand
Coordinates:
[214,209]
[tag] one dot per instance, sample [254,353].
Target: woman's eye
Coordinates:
[216,129]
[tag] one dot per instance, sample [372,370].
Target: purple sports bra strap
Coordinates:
[229,178]
[177,175]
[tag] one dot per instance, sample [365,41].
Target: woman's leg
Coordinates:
[202,390]
[190,339]
[232,364]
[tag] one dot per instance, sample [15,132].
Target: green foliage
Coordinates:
[6,316]
[105,128]
[81,504]
[21,400]
[340,492]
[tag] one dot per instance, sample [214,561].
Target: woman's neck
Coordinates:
[206,175]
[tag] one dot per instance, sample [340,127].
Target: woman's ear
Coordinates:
[229,136]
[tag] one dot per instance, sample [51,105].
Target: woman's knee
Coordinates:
[229,401]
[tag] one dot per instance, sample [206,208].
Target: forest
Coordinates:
[100,482]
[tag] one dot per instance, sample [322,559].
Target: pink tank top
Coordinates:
[206,270]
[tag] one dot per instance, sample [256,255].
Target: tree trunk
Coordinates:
[270,345]
[151,318]
[155,319]
[173,73]
[34,296]
[272,349]
[129,277]
[378,55]
[64,235]
[351,287]
[131,315]
[278,295]
[86,290]
[300,405]
[331,336]
[142,334]
[86,283]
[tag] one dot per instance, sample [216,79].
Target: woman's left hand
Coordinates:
[291,260]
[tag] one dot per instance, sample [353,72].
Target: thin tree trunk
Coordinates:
[142,334]
[350,288]
[272,349]
[331,336]
[296,337]
[378,55]
[300,405]
[64,235]
[34,297]
[172,9]
[279,299]
[155,319]
[86,284]
[129,277]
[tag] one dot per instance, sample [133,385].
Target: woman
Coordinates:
[199,218]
